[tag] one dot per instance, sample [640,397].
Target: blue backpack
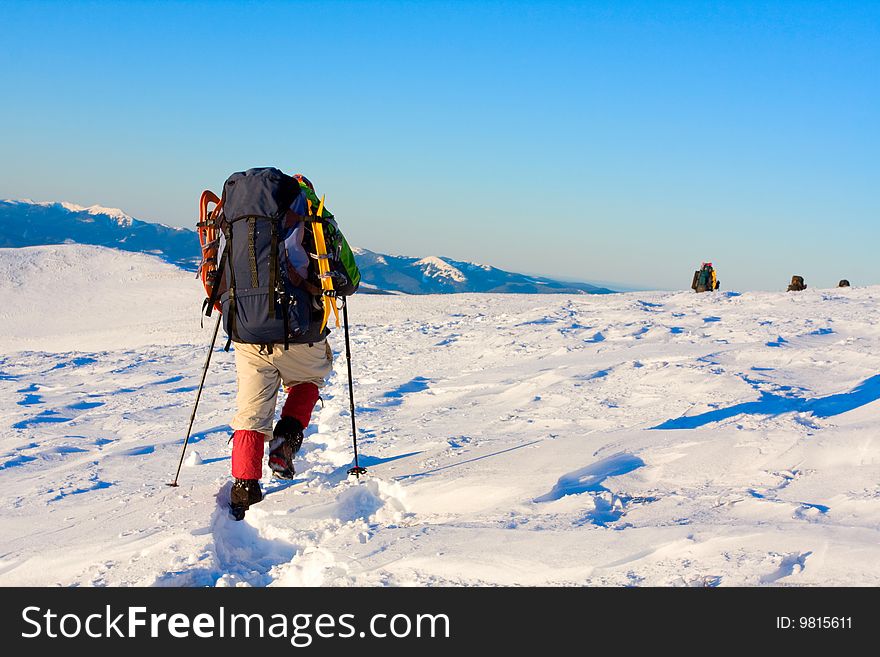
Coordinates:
[263,301]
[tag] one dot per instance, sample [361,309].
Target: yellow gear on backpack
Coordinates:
[324,266]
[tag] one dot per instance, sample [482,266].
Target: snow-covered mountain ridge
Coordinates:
[29,223]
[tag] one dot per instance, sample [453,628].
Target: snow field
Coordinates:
[660,438]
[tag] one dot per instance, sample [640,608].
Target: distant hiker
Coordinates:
[275,311]
[843,283]
[705,279]
[797,284]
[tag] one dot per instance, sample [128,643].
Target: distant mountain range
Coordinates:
[28,223]
[436,275]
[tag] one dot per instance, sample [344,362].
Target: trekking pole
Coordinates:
[198,396]
[357,470]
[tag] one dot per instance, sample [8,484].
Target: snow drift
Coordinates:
[80,297]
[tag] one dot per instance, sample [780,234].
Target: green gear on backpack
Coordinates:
[341,258]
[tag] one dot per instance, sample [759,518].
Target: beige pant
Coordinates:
[260,374]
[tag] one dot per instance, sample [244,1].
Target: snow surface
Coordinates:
[90,298]
[646,438]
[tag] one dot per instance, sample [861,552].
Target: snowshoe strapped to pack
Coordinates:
[209,240]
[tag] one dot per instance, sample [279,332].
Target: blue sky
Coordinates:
[621,141]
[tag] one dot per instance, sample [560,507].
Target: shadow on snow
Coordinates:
[769,404]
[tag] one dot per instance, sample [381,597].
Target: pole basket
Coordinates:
[357,471]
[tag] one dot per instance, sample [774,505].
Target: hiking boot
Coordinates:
[245,492]
[286,440]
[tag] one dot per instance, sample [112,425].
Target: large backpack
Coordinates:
[797,284]
[705,279]
[263,299]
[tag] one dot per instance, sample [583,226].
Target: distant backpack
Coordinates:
[797,284]
[705,279]
[264,300]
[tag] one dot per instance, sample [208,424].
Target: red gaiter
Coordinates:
[301,400]
[247,454]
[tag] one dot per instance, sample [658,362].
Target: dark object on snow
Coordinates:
[797,284]
[287,438]
[843,283]
[245,492]
[705,279]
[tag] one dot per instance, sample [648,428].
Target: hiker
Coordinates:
[797,284]
[843,283]
[275,312]
[705,279]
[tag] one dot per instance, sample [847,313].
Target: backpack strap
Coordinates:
[304,283]
[274,279]
[232,330]
[252,251]
[285,309]
[274,271]
[291,219]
